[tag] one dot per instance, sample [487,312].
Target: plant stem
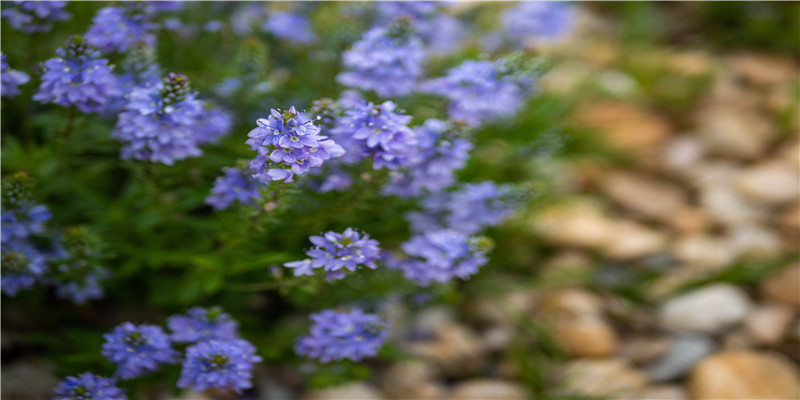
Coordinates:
[70,123]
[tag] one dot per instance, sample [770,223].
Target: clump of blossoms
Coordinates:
[537,19]
[334,252]
[441,256]
[34,16]
[441,33]
[289,26]
[433,168]
[138,68]
[222,364]
[480,91]
[387,61]
[11,79]
[213,124]
[159,122]
[342,335]
[288,139]
[201,324]
[124,27]
[23,264]
[137,349]
[235,185]
[470,209]
[88,386]
[77,77]
[76,273]
[377,131]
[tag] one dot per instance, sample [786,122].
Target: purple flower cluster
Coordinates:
[77,77]
[290,26]
[377,131]
[387,61]
[288,138]
[537,19]
[479,92]
[334,252]
[440,256]
[441,33]
[121,28]
[201,324]
[22,263]
[34,16]
[236,184]
[222,364]
[88,386]
[137,349]
[76,273]
[470,209]
[11,79]
[213,124]
[160,122]
[339,335]
[433,168]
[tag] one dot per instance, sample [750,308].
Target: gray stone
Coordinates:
[685,351]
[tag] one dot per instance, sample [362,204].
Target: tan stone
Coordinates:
[663,392]
[770,183]
[728,207]
[754,242]
[586,336]
[690,220]
[768,324]
[411,380]
[612,378]
[455,349]
[630,240]
[744,375]
[627,127]
[641,349]
[704,252]
[691,63]
[571,302]
[580,224]
[783,286]
[644,194]
[354,391]
[735,131]
[762,69]
[488,389]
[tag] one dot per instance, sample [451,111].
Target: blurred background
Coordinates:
[657,256]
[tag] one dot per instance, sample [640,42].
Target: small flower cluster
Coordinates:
[377,131]
[130,25]
[34,16]
[215,358]
[288,138]
[334,252]
[433,168]
[440,256]
[537,19]
[385,60]
[88,386]
[235,185]
[440,33]
[479,92]
[77,77]
[289,26]
[138,68]
[68,263]
[137,349]
[160,122]
[470,209]
[11,79]
[342,335]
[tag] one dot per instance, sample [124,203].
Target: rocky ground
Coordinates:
[676,272]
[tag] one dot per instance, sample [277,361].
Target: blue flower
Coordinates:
[439,32]
[236,184]
[339,335]
[26,220]
[76,272]
[200,324]
[334,252]
[88,386]
[290,139]
[139,68]
[440,256]
[377,131]
[213,124]
[137,349]
[537,19]
[34,16]
[470,209]
[121,28]
[160,122]
[11,79]
[22,266]
[387,61]
[226,365]
[478,92]
[433,168]
[77,77]
[293,27]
